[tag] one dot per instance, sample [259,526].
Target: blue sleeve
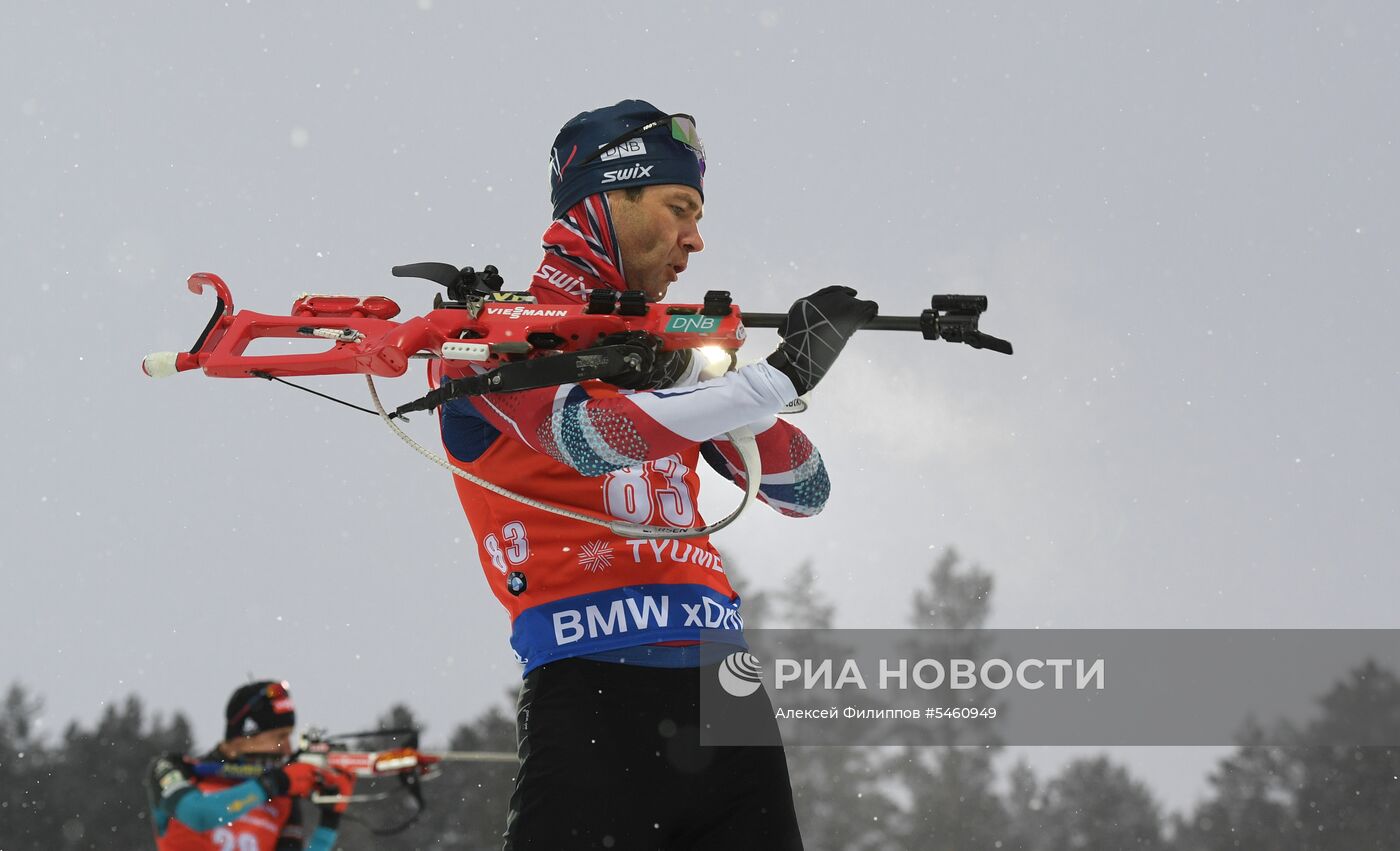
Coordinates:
[200,812]
[465,433]
[322,839]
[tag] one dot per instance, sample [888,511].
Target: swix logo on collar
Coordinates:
[572,284]
[630,173]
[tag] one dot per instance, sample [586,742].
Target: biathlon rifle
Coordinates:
[376,754]
[521,345]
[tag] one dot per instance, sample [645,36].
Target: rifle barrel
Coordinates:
[879,323]
[477,756]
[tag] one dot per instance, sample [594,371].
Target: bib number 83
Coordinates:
[653,493]
[516,547]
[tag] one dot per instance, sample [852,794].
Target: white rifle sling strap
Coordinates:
[742,438]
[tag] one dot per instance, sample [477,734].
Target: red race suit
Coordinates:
[573,588]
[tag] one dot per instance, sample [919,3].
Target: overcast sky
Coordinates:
[1184,215]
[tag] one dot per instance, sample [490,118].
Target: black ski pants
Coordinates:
[611,758]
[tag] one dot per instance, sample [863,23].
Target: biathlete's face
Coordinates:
[656,235]
[278,741]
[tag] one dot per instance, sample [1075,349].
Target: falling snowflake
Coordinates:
[595,556]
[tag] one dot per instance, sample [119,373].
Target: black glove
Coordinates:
[666,366]
[816,329]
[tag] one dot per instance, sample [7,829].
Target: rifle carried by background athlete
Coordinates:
[373,756]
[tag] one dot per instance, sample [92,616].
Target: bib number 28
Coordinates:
[227,840]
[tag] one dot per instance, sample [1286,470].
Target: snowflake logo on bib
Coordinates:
[595,556]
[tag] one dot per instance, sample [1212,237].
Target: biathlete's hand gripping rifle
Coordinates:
[518,344]
[378,754]
[952,318]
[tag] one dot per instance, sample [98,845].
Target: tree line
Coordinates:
[85,789]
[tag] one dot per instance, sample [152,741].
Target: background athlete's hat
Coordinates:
[654,157]
[256,707]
